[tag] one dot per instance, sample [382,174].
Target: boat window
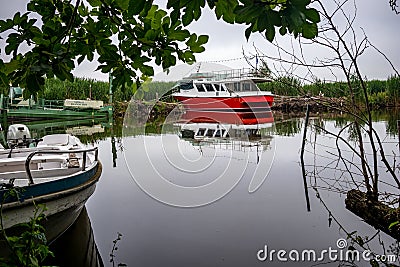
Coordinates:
[208,87]
[218,133]
[186,85]
[216,86]
[223,87]
[249,86]
[246,86]
[201,132]
[222,132]
[229,86]
[200,88]
[210,132]
[236,86]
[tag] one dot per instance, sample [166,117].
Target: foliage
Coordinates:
[288,127]
[125,35]
[81,88]
[381,93]
[160,89]
[393,87]
[286,85]
[376,86]
[379,99]
[55,89]
[29,248]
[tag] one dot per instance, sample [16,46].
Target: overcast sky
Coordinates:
[227,41]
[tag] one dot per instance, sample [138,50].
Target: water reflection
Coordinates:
[257,135]
[230,231]
[76,246]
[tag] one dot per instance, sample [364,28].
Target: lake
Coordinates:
[234,201]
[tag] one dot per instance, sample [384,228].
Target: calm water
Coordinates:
[180,202]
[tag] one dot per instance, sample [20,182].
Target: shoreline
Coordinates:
[283,106]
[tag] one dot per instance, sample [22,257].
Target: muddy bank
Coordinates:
[144,110]
[316,104]
[283,107]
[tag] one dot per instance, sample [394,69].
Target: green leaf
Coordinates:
[300,2]
[94,3]
[310,30]
[274,18]
[197,49]
[248,32]
[175,14]
[225,9]
[174,4]
[393,224]
[202,39]
[313,15]
[17,18]
[192,40]
[270,33]
[13,44]
[34,83]
[147,70]
[188,56]
[179,35]
[6,25]
[283,30]
[123,4]
[187,18]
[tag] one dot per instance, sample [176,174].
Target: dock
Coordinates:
[27,110]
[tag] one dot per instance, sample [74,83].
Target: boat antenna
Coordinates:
[198,67]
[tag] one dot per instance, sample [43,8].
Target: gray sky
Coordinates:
[227,42]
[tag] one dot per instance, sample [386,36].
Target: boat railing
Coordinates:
[227,74]
[84,151]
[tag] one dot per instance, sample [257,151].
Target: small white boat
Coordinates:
[57,171]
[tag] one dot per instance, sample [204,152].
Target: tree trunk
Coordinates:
[373,212]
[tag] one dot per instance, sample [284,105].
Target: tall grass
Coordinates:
[380,92]
[56,89]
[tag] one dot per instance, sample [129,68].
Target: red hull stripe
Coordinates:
[227,102]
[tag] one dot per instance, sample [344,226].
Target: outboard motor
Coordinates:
[18,135]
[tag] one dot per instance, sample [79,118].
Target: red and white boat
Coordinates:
[230,96]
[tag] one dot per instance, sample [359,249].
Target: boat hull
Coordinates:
[252,109]
[234,103]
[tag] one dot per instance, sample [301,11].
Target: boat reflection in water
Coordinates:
[242,126]
[216,131]
[76,246]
